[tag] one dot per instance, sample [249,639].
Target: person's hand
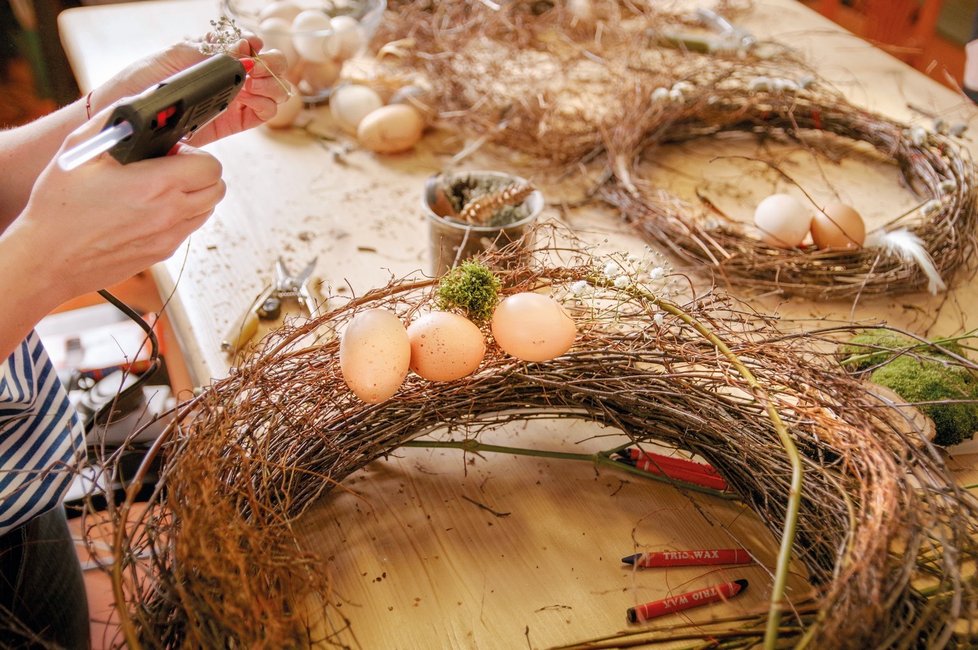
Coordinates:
[257,102]
[103,222]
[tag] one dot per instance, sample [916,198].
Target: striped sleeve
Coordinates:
[41,437]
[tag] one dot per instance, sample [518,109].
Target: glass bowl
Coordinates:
[325,34]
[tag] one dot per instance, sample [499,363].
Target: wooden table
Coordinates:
[359,214]
[417,564]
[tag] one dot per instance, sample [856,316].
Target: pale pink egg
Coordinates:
[391,129]
[375,354]
[532,327]
[782,220]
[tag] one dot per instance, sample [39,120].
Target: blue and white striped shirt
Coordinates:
[41,436]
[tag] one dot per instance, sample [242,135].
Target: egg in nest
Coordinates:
[445,346]
[374,355]
[532,327]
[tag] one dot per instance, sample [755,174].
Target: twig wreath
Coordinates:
[571,91]
[850,490]
[924,248]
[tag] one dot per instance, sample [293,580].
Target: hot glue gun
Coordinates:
[148,125]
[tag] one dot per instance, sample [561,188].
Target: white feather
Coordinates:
[908,247]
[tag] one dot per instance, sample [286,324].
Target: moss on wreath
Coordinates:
[472,288]
[921,374]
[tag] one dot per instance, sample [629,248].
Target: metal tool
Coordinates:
[149,125]
[302,288]
[725,36]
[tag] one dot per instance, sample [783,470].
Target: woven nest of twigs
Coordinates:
[854,493]
[537,78]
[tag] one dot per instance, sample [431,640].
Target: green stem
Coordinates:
[601,458]
[930,592]
[797,473]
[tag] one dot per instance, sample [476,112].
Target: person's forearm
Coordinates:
[26,150]
[23,285]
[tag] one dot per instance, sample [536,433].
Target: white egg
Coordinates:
[310,35]
[317,77]
[276,33]
[287,111]
[783,221]
[347,38]
[391,129]
[283,9]
[351,103]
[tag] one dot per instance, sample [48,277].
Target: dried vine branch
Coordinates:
[884,533]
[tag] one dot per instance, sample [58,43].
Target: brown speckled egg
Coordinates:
[838,226]
[445,346]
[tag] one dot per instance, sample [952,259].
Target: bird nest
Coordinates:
[937,168]
[852,492]
[570,92]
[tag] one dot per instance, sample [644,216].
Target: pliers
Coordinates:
[268,305]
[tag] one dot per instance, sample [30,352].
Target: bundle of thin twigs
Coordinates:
[535,77]
[857,496]
[571,93]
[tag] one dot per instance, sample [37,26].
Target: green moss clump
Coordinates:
[472,288]
[919,372]
[873,347]
[930,380]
